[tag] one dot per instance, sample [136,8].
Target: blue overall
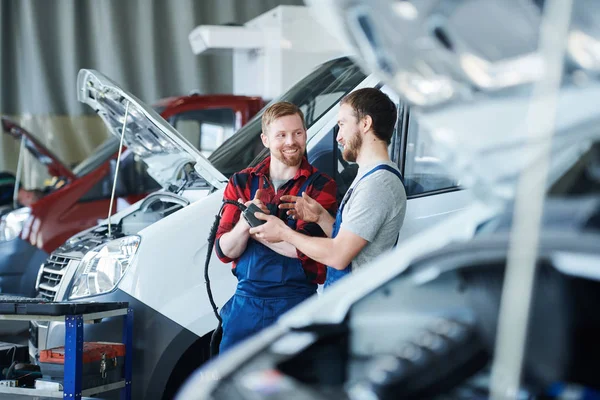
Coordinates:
[269,284]
[333,275]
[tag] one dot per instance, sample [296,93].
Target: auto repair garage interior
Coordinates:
[319,199]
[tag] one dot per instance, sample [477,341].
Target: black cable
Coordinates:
[211,243]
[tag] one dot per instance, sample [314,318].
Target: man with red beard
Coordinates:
[371,214]
[272,277]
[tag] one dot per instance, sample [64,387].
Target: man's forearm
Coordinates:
[283,248]
[326,222]
[233,243]
[316,248]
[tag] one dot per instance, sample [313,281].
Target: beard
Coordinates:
[291,160]
[352,147]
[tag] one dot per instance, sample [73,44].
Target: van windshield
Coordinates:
[315,95]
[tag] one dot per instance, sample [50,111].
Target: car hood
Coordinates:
[37,149]
[147,134]
[476,87]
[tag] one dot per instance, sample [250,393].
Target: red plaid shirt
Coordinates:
[322,189]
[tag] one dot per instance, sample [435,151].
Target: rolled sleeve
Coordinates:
[230,217]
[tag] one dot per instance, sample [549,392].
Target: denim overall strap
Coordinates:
[269,284]
[254,185]
[399,175]
[333,274]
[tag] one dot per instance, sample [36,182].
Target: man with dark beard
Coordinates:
[272,277]
[371,214]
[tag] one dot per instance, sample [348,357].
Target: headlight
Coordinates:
[11,224]
[102,267]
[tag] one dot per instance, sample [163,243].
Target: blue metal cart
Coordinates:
[74,325]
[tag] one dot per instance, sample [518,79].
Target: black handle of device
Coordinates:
[248,214]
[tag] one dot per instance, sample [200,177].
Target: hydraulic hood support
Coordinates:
[522,256]
[19,172]
[114,188]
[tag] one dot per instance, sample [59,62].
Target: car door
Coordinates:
[433,192]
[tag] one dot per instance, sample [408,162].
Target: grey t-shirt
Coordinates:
[277,183]
[375,211]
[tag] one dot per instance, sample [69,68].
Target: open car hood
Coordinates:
[474,82]
[147,134]
[38,150]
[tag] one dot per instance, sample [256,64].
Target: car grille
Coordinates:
[52,273]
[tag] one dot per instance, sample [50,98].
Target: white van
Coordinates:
[155,256]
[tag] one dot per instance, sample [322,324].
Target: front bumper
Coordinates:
[19,265]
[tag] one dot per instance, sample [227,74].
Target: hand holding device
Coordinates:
[248,214]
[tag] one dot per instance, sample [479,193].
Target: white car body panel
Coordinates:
[427,211]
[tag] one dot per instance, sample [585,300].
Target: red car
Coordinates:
[80,197]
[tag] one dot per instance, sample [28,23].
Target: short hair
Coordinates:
[278,110]
[376,104]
